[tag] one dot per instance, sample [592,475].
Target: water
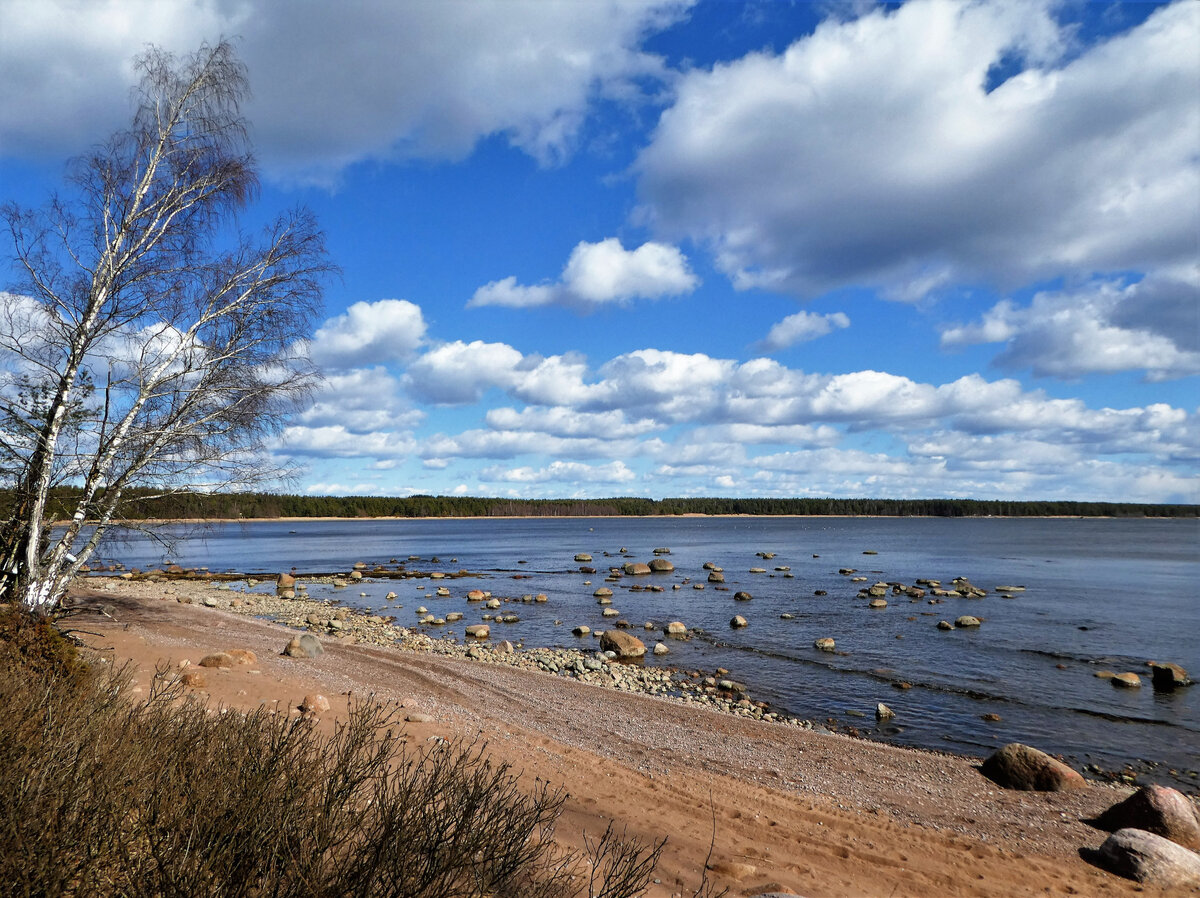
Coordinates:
[1100,594]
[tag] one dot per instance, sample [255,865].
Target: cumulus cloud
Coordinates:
[1151,326]
[599,274]
[458,372]
[567,422]
[590,412]
[568,473]
[802,327]
[336,441]
[425,79]
[369,333]
[878,152]
[362,400]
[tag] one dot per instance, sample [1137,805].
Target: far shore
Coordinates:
[661,517]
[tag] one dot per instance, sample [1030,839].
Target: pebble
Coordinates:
[587,667]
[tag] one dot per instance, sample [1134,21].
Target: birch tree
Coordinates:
[147,342]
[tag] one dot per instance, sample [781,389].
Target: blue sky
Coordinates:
[667,248]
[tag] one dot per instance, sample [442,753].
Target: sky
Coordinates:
[661,248]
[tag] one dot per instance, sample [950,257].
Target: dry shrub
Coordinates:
[101,795]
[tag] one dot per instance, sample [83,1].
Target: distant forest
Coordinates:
[275,505]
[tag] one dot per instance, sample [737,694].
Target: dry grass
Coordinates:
[104,795]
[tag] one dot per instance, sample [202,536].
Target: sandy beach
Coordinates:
[784,809]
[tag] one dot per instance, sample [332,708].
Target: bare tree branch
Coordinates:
[142,282]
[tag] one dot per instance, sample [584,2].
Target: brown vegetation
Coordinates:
[103,794]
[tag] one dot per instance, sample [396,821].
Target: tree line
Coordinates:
[148,505]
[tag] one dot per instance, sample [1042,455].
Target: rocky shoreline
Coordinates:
[330,619]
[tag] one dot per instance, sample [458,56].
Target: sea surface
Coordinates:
[1100,594]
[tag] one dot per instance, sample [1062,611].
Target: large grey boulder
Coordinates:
[1145,857]
[1156,809]
[1017,766]
[303,646]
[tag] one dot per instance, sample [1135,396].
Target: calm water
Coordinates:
[1100,594]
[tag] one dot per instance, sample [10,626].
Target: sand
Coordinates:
[783,808]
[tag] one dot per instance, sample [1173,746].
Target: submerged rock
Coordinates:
[1166,676]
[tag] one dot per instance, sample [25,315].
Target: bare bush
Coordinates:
[101,795]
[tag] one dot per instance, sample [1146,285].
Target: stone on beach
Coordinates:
[624,645]
[582,630]
[661,566]
[583,557]
[478,631]
[883,712]
[1127,680]
[825,644]
[676,628]
[737,622]
[1156,809]
[967,620]
[1144,857]
[314,703]
[716,577]
[1026,769]
[303,646]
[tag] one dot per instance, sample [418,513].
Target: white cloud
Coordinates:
[424,79]
[576,413]
[802,327]
[872,153]
[514,443]
[361,400]
[566,422]
[1151,326]
[561,472]
[459,372]
[369,333]
[598,274]
[336,441]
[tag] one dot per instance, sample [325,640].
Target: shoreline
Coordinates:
[784,808]
[283,519]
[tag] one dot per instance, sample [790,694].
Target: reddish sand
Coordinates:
[795,811]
